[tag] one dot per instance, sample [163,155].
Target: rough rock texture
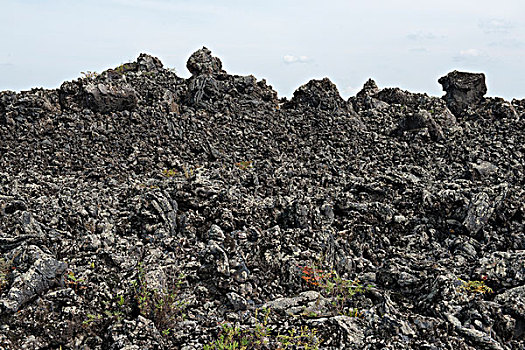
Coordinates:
[140,210]
[463,90]
[202,62]
[318,94]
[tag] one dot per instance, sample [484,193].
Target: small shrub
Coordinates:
[305,338]
[164,307]
[259,337]
[232,337]
[474,287]
[114,312]
[332,286]
[74,282]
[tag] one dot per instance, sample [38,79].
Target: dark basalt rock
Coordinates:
[214,90]
[105,98]
[501,109]
[148,63]
[420,120]
[400,97]
[318,94]
[27,106]
[369,89]
[463,90]
[202,62]
[101,97]
[141,210]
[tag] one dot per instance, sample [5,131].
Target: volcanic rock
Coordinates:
[142,210]
[318,94]
[202,62]
[463,90]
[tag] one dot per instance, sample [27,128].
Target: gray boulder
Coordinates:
[99,97]
[109,98]
[202,62]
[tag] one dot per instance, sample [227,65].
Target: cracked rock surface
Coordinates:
[141,210]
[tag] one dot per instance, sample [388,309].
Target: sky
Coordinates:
[402,43]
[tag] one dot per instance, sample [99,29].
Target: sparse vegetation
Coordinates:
[123,68]
[474,287]
[306,338]
[338,289]
[114,311]
[5,269]
[260,337]
[74,282]
[89,74]
[163,306]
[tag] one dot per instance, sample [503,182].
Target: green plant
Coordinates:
[5,268]
[91,318]
[259,337]
[231,337]
[338,289]
[74,282]
[163,306]
[121,300]
[474,287]
[305,338]
[123,68]
[113,312]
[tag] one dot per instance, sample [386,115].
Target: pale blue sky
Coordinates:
[403,43]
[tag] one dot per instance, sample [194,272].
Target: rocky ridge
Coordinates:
[141,210]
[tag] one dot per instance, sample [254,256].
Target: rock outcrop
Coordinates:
[463,90]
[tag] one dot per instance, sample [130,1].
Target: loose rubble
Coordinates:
[141,210]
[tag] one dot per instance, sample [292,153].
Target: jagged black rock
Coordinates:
[140,210]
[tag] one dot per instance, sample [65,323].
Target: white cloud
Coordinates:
[470,55]
[495,25]
[289,59]
[418,36]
